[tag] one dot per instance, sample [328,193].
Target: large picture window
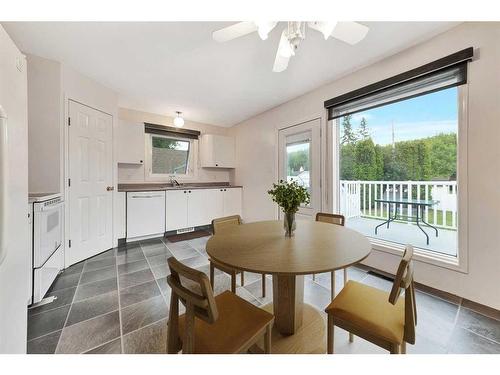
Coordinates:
[398,171]
[396,142]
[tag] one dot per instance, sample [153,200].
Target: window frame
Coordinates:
[192,159]
[457,263]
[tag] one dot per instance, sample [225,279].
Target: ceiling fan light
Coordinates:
[178,120]
[264,28]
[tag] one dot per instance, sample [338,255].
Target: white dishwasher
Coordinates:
[145,214]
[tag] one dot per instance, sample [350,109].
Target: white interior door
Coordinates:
[91,176]
[300,160]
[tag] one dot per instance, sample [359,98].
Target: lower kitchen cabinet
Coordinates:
[145,214]
[176,209]
[197,207]
[232,201]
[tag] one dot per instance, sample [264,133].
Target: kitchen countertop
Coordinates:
[168,186]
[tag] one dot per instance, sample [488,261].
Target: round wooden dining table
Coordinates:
[316,247]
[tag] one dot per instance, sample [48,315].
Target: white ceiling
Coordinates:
[176,66]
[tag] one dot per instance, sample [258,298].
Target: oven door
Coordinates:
[47,232]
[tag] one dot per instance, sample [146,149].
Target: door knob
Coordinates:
[110,188]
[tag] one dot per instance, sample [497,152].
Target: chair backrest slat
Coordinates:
[404,280]
[223,223]
[330,218]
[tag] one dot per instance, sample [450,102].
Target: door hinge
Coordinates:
[69,121]
[69,243]
[69,182]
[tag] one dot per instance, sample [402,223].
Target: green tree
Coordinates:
[296,160]
[347,162]
[443,155]
[364,132]
[349,137]
[160,142]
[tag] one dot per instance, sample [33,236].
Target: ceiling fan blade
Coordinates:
[350,32]
[283,54]
[234,31]
[324,28]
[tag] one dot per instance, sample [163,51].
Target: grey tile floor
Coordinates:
[117,302]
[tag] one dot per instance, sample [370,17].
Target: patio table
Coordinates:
[419,206]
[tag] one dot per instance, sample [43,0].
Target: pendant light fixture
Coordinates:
[178,120]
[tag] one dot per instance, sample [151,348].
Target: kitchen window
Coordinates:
[169,156]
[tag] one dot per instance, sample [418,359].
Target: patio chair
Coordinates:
[375,315]
[225,224]
[212,325]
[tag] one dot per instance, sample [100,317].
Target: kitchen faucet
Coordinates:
[174,182]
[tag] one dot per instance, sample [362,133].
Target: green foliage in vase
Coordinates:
[289,195]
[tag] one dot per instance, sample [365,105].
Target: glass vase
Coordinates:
[289,224]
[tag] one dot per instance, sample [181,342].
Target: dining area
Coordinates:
[287,253]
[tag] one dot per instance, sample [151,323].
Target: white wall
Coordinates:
[14,271]
[44,119]
[256,142]
[135,173]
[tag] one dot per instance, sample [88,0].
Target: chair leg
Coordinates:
[314,277]
[395,349]
[242,278]
[345,276]
[330,334]
[403,347]
[267,339]
[263,286]
[212,273]
[332,284]
[233,282]
[351,337]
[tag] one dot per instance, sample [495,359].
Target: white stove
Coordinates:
[47,213]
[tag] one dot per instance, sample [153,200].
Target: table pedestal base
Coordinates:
[309,338]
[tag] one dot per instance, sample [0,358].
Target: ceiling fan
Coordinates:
[292,35]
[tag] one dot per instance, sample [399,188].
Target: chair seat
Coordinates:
[369,309]
[223,267]
[238,323]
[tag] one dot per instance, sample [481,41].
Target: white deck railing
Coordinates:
[357,199]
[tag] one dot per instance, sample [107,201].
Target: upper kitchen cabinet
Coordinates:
[217,151]
[130,142]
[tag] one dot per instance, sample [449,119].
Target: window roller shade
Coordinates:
[444,73]
[170,131]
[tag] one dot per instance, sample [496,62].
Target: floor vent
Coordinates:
[185,230]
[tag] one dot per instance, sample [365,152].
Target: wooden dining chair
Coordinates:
[225,224]
[217,325]
[375,315]
[338,220]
